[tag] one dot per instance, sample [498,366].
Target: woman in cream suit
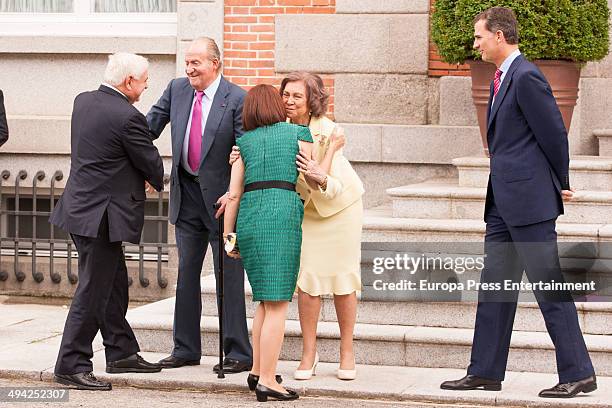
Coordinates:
[333,218]
[331,229]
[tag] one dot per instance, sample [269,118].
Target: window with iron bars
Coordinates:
[32,225]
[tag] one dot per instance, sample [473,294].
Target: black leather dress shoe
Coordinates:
[231,366]
[569,390]
[176,362]
[83,381]
[471,382]
[263,393]
[132,364]
[252,380]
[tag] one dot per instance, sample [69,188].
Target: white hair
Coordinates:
[122,65]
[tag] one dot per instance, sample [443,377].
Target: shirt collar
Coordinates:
[212,88]
[115,89]
[505,66]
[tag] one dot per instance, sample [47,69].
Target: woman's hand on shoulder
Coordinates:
[234,155]
[310,168]
[337,139]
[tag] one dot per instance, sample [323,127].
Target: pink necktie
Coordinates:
[497,82]
[195,134]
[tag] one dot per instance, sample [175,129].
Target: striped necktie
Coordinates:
[497,82]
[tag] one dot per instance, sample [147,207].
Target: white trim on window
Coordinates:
[88,24]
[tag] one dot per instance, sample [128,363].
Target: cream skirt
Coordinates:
[331,251]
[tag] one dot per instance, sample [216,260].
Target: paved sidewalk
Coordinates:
[31,335]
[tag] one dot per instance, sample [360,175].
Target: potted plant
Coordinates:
[559,36]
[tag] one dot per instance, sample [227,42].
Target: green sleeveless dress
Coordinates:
[269,224]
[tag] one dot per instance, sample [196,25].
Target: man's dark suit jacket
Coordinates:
[223,126]
[3,125]
[528,148]
[112,156]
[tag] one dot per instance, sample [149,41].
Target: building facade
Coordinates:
[407,115]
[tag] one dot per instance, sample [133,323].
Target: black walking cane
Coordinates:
[220,291]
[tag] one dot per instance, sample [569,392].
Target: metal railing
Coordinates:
[55,248]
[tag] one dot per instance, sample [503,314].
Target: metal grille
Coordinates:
[17,241]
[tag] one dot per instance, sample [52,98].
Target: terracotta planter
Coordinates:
[563,77]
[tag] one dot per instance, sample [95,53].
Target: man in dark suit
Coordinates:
[205,111]
[112,155]
[4,134]
[529,179]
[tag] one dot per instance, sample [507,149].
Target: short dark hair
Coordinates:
[500,19]
[317,97]
[263,106]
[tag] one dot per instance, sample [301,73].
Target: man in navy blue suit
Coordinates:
[205,113]
[528,181]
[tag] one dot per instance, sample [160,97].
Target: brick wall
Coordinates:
[249,39]
[437,68]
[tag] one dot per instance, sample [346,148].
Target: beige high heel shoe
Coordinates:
[307,374]
[347,375]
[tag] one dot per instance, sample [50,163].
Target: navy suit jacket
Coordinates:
[112,154]
[223,126]
[3,125]
[528,148]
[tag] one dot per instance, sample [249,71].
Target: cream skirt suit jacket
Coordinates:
[331,238]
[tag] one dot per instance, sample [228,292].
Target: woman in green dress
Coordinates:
[269,233]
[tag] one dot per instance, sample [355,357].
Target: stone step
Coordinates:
[380,386]
[594,317]
[380,226]
[445,199]
[376,344]
[586,172]
[604,137]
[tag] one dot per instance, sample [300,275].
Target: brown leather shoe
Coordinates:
[570,390]
[471,382]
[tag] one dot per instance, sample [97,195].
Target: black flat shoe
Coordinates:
[570,390]
[132,364]
[252,381]
[231,366]
[176,362]
[83,381]
[471,382]
[263,393]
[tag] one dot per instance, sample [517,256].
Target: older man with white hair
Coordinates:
[102,205]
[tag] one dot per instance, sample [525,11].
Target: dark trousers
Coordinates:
[100,303]
[510,251]
[194,230]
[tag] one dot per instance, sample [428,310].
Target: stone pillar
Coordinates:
[197,18]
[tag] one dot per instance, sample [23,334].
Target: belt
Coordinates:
[188,175]
[262,185]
